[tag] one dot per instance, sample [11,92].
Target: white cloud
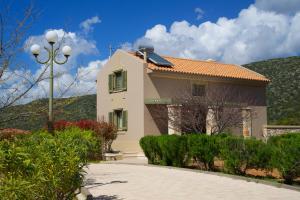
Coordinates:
[254,35]
[69,80]
[279,6]
[199,12]
[89,73]
[87,25]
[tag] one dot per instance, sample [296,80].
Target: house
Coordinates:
[131,83]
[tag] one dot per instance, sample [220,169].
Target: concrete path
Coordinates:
[138,182]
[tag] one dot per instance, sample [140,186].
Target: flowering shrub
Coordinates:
[86,124]
[108,132]
[102,130]
[62,125]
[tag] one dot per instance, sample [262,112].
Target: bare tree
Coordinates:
[219,110]
[225,108]
[16,81]
[12,33]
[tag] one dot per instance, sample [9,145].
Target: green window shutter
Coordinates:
[110,83]
[115,120]
[110,117]
[124,76]
[125,119]
[114,81]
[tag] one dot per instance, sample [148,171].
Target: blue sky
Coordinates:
[125,21]
[231,31]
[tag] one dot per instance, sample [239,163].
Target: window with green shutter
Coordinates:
[111,117]
[110,83]
[124,79]
[119,118]
[117,81]
[125,121]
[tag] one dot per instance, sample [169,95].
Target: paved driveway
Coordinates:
[137,182]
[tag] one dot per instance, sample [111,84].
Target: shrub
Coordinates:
[170,150]
[240,154]
[11,133]
[258,154]
[41,166]
[286,156]
[151,149]
[174,150]
[108,133]
[104,131]
[203,149]
[62,125]
[232,152]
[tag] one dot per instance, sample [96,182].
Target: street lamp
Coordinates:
[51,37]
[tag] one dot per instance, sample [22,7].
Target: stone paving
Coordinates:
[115,181]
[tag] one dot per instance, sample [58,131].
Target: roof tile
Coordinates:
[208,68]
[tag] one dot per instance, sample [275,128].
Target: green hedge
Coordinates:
[166,150]
[238,154]
[286,155]
[42,166]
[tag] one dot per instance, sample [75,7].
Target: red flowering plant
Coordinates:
[104,131]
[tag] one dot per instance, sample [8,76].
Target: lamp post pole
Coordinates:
[51,37]
[50,121]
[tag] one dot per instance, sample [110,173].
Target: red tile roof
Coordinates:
[207,68]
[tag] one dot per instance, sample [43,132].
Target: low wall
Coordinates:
[273,130]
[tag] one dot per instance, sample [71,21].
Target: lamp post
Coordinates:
[51,37]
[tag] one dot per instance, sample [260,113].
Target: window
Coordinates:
[119,119]
[117,81]
[198,90]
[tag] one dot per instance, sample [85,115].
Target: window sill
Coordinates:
[124,130]
[121,132]
[117,91]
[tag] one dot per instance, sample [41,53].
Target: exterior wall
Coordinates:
[131,100]
[259,120]
[274,130]
[168,85]
[158,88]
[144,84]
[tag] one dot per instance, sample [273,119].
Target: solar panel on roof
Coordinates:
[156,59]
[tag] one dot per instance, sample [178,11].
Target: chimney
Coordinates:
[145,50]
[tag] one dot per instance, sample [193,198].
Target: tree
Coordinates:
[12,33]
[223,104]
[16,80]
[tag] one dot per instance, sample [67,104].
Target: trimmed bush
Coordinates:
[240,154]
[42,166]
[286,156]
[151,149]
[203,149]
[169,150]
[174,150]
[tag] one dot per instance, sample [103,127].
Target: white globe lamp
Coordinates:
[67,50]
[35,49]
[51,37]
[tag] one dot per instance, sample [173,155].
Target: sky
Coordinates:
[231,31]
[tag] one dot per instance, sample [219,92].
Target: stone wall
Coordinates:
[273,130]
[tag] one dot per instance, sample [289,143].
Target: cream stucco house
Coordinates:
[131,82]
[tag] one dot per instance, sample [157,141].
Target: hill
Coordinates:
[283,92]
[283,99]
[33,116]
